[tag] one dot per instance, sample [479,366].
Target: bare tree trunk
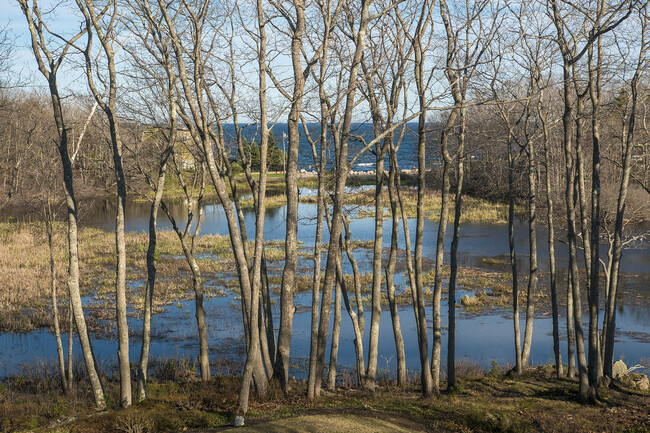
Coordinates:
[440,246]
[573,240]
[460,65]
[268,328]
[141,390]
[342,170]
[573,260]
[94,25]
[390,286]
[187,240]
[70,340]
[451,335]
[532,242]
[320,163]
[253,356]
[356,275]
[513,258]
[417,292]
[568,60]
[629,123]
[551,253]
[373,343]
[356,326]
[55,307]
[73,283]
[40,49]
[320,211]
[397,330]
[582,193]
[291,242]
[559,370]
[204,358]
[595,92]
[336,333]
[264,342]
[570,330]
[429,379]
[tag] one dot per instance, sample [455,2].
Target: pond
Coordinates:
[483,337]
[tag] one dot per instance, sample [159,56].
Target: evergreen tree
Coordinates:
[275,154]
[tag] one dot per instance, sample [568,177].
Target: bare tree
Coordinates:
[476,22]
[573,45]
[294,14]
[102,22]
[49,62]
[421,40]
[628,140]
[158,81]
[342,170]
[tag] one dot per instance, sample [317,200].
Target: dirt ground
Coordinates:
[332,423]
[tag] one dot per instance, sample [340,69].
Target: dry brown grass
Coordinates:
[25,276]
[25,293]
[474,209]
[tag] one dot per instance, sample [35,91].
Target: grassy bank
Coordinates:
[483,401]
[25,293]
[474,209]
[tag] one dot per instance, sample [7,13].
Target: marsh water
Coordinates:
[484,337]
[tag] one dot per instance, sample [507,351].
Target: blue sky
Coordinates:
[23,65]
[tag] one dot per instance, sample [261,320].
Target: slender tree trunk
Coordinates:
[94,25]
[573,260]
[513,258]
[253,356]
[188,243]
[417,293]
[595,366]
[70,340]
[390,286]
[440,246]
[204,359]
[373,343]
[551,253]
[582,193]
[141,390]
[291,242]
[430,380]
[451,335]
[532,242]
[316,282]
[40,50]
[609,327]
[356,274]
[55,303]
[573,240]
[336,333]
[570,330]
[73,284]
[264,342]
[356,326]
[342,170]
[397,330]
[269,329]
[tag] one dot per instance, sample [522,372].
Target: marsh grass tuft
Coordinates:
[134,422]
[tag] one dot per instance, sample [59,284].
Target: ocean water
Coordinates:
[406,153]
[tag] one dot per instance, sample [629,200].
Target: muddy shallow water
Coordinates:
[481,337]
